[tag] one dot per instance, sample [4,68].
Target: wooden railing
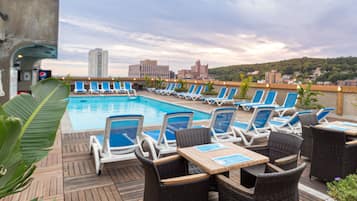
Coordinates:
[340,93]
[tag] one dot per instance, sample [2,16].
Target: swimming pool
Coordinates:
[90,112]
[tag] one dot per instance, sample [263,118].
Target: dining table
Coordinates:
[218,158]
[349,128]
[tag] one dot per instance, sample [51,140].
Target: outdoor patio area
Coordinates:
[68,173]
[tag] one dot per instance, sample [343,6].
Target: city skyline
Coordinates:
[176,33]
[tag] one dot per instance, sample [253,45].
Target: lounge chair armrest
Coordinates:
[228,183]
[353,142]
[286,160]
[185,179]
[274,168]
[167,159]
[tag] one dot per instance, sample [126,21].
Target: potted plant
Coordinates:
[183,87]
[244,87]
[210,92]
[307,98]
[343,189]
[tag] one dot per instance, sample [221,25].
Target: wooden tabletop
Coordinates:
[351,128]
[205,161]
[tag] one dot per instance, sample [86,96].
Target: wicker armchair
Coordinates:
[166,179]
[192,137]
[278,186]
[332,156]
[307,120]
[282,150]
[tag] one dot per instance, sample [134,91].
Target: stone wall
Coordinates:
[31,24]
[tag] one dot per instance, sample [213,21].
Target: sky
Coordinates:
[218,32]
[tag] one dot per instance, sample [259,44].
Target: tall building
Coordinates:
[98,63]
[149,68]
[198,71]
[273,77]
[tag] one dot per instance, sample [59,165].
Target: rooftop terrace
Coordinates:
[68,172]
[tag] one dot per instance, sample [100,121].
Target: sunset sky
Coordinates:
[219,32]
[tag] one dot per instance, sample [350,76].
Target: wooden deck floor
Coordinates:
[68,174]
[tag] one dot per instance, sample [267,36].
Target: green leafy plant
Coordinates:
[210,89]
[343,189]
[148,82]
[159,83]
[244,86]
[28,126]
[307,98]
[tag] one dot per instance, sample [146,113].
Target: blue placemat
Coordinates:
[338,128]
[349,124]
[210,147]
[231,159]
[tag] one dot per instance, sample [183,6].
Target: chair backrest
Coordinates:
[270,99]
[128,86]
[294,119]
[105,85]
[290,100]
[171,86]
[199,90]
[79,85]
[261,117]
[323,113]
[282,145]
[278,185]
[173,122]
[122,131]
[258,96]
[308,119]
[178,86]
[94,85]
[222,92]
[222,119]
[192,136]
[117,85]
[192,87]
[232,93]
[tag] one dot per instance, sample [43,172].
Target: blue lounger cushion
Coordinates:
[155,134]
[241,125]
[116,140]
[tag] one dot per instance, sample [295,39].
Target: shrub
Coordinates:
[344,189]
[307,98]
[244,86]
[210,89]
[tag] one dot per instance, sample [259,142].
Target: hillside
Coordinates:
[332,69]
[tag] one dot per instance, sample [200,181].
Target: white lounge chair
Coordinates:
[257,127]
[79,87]
[164,140]
[229,99]
[93,87]
[118,142]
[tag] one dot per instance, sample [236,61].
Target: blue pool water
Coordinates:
[90,112]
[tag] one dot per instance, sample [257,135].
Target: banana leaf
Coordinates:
[14,172]
[40,113]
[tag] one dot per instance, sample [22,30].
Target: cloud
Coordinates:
[219,32]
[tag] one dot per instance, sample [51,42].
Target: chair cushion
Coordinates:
[155,134]
[116,140]
[277,123]
[241,125]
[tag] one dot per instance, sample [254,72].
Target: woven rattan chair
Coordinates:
[332,156]
[307,120]
[277,186]
[192,137]
[282,150]
[166,179]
